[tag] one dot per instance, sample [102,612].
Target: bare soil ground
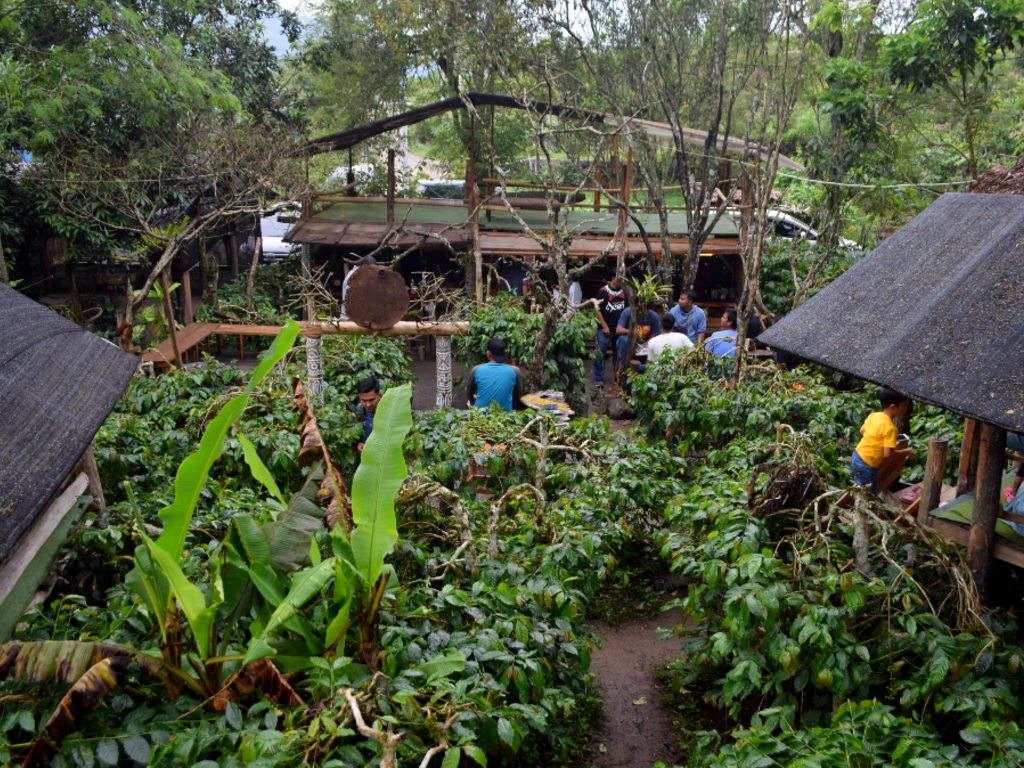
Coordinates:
[638,725]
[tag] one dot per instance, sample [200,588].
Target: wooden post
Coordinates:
[934,471]
[186,296]
[165,283]
[474,222]
[231,241]
[968,458]
[991,461]
[92,472]
[391,187]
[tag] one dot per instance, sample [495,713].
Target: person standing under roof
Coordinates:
[611,300]
[496,381]
[690,319]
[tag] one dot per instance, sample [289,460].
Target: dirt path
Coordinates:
[637,726]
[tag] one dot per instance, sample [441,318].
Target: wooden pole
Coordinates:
[232,244]
[186,296]
[968,458]
[92,472]
[165,283]
[474,222]
[991,461]
[934,471]
[391,187]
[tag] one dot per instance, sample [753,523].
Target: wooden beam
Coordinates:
[991,461]
[934,471]
[957,533]
[231,241]
[165,283]
[29,562]
[403,328]
[968,458]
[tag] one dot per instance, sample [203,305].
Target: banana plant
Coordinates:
[157,576]
[355,573]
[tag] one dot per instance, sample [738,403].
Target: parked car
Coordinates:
[782,224]
[275,249]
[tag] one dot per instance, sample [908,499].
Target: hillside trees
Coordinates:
[954,46]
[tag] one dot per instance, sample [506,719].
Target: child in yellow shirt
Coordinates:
[878,439]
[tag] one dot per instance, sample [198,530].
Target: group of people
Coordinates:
[684,327]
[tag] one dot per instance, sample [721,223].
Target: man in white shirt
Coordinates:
[667,339]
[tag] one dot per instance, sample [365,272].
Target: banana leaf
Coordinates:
[290,535]
[259,469]
[63,660]
[190,598]
[93,668]
[376,483]
[307,585]
[191,475]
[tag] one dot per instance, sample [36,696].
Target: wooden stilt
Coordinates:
[934,471]
[92,472]
[991,461]
[968,458]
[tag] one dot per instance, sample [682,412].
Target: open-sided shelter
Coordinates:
[933,312]
[338,226]
[58,383]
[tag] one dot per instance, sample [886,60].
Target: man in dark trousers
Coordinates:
[496,381]
[369,396]
[611,300]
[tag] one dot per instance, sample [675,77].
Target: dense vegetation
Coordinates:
[815,633]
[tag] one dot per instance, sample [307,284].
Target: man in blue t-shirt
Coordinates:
[723,343]
[496,381]
[690,319]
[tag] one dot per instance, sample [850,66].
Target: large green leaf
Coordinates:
[376,483]
[290,535]
[189,597]
[307,585]
[259,469]
[193,471]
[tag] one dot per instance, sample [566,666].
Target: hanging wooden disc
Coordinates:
[377,297]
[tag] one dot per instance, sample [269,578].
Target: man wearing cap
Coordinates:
[496,381]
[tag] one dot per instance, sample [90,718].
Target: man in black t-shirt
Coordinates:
[611,301]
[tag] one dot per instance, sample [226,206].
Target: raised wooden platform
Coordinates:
[194,334]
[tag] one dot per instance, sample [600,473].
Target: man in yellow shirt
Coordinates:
[878,439]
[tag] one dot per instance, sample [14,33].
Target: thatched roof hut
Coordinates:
[58,383]
[933,312]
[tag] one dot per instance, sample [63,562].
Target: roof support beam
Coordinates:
[991,460]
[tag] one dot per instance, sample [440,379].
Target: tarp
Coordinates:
[58,382]
[933,312]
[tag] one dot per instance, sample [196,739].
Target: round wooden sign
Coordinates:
[377,297]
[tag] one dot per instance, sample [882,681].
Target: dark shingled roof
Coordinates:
[934,311]
[58,382]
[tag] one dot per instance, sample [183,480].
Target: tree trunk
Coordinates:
[250,284]
[211,274]
[534,370]
[4,278]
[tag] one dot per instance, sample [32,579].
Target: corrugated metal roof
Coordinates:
[58,382]
[934,311]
